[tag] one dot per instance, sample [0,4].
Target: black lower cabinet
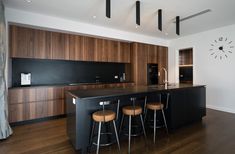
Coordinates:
[186,106]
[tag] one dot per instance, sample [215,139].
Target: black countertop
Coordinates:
[112,92]
[69,84]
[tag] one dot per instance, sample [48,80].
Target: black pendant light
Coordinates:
[108,8]
[138,12]
[178,25]
[160,19]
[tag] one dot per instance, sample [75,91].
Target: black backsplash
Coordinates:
[53,72]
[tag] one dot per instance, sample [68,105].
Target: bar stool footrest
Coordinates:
[104,144]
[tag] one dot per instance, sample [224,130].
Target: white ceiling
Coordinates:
[123,14]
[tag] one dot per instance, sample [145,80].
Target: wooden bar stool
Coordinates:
[157,106]
[101,117]
[131,111]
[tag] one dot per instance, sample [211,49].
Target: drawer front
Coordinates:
[35,110]
[26,95]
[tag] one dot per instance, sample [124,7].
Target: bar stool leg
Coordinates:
[164,118]
[145,115]
[92,132]
[115,129]
[120,129]
[142,122]
[98,140]
[129,139]
[155,123]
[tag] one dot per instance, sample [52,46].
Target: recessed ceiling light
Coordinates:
[28,1]
[166,34]
[94,17]
[136,26]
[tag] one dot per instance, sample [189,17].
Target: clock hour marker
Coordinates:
[232,47]
[213,53]
[221,39]
[226,39]
[220,57]
[215,41]
[230,51]
[211,49]
[226,56]
[212,45]
[215,56]
[230,42]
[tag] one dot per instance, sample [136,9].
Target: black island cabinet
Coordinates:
[187,104]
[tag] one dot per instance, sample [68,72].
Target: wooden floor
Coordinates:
[214,135]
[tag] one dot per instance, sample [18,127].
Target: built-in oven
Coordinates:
[152,74]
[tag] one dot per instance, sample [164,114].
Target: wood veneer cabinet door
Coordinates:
[60,46]
[124,52]
[89,49]
[16,112]
[76,48]
[55,107]
[113,49]
[35,102]
[29,43]
[101,50]
[35,110]
[16,96]
[162,62]
[152,54]
[21,42]
[54,93]
[139,53]
[41,44]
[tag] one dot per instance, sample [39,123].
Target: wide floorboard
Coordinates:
[214,134]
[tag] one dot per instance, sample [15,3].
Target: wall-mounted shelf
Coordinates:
[189,65]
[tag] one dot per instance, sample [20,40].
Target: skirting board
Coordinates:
[224,109]
[36,120]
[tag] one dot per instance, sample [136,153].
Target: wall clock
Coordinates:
[221,48]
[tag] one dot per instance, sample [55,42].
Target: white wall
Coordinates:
[218,75]
[60,24]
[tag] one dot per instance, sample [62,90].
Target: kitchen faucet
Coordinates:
[165,77]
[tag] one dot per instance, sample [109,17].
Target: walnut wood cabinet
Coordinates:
[28,103]
[40,44]
[162,62]
[124,52]
[143,54]
[139,54]
[76,47]
[29,43]
[101,50]
[59,46]
[152,54]
[36,102]
[88,49]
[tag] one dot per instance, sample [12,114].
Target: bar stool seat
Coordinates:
[132,110]
[104,116]
[155,106]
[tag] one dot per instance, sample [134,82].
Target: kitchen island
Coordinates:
[187,104]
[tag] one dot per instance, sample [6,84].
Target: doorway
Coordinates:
[186,66]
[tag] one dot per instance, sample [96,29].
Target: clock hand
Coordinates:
[223,50]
